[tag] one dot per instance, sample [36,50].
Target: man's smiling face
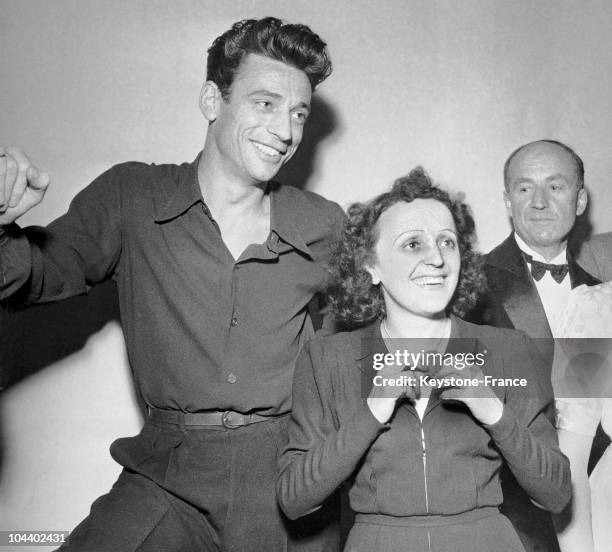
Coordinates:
[259,127]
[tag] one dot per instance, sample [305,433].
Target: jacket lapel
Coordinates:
[579,276]
[512,283]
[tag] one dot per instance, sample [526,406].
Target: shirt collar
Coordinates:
[561,258]
[185,193]
[285,217]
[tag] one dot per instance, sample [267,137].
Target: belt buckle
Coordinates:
[226,420]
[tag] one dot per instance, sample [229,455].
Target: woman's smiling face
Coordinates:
[417,259]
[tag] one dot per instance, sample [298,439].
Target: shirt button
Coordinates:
[234,322]
[231,378]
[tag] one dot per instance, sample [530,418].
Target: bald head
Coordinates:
[551,147]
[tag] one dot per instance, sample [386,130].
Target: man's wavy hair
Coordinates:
[353,299]
[293,44]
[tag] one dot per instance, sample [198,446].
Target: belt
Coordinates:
[227,418]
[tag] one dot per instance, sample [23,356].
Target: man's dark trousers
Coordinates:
[189,490]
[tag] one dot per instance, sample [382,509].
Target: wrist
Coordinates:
[494,413]
[381,408]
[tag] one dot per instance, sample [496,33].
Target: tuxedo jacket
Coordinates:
[512,299]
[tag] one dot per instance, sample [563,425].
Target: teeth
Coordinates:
[428,280]
[266,150]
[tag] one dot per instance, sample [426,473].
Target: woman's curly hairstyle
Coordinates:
[353,299]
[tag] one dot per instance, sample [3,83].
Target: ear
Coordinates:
[371,270]
[210,99]
[581,203]
[507,203]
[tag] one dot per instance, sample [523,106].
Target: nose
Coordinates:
[434,256]
[280,125]
[539,199]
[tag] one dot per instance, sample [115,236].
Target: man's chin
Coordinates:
[544,239]
[261,176]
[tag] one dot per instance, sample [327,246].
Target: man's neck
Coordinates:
[240,209]
[226,193]
[548,253]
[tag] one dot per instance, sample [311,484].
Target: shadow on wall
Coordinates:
[322,123]
[41,335]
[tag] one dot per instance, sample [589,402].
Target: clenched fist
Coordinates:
[478,397]
[22,185]
[383,399]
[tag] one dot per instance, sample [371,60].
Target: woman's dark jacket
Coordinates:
[447,463]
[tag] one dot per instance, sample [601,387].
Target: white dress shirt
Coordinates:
[554,296]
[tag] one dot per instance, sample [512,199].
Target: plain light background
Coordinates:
[453,86]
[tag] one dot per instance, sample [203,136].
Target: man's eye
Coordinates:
[264,105]
[300,116]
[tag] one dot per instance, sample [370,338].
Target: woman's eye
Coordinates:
[449,243]
[264,105]
[411,244]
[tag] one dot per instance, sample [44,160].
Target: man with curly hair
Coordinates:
[215,265]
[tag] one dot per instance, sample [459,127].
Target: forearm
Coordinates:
[310,474]
[574,524]
[15,260]
[37,266]
[534,458]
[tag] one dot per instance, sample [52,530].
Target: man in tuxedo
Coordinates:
[530,275]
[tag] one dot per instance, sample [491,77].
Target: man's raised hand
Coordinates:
[22,185]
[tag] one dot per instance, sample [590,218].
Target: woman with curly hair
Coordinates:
[420,442]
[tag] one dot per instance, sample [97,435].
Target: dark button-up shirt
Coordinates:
[203,331]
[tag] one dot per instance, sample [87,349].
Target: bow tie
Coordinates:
[558,272]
